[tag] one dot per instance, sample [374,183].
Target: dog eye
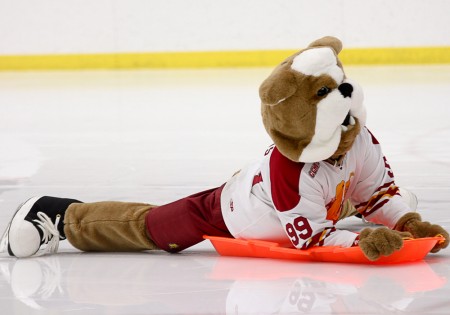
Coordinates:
[324,90]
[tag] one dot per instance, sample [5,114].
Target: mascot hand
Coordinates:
[380,241]
[412,223]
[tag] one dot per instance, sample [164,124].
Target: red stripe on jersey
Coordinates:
[284,181]
[373,204]
[374,140]
[319,238]
[376,207]
[363,204]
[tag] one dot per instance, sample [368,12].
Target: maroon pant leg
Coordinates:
[181,224]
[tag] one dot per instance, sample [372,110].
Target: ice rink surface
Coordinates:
[156,136]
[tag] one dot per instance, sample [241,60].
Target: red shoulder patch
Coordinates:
[284,181]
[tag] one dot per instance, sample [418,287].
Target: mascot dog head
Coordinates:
[310,109]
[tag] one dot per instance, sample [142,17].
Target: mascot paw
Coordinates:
[381,241]
[412,223]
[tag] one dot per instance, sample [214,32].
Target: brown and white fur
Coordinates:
[311,110]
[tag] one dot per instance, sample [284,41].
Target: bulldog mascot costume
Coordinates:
[324,165]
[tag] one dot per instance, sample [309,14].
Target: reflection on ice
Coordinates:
[230,285]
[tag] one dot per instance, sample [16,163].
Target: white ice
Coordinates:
[156,136]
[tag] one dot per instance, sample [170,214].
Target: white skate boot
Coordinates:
[36,228]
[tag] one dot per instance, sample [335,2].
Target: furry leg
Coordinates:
[108,226]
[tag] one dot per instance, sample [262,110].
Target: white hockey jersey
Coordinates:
[280,200]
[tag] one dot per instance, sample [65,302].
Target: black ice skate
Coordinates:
[37,222]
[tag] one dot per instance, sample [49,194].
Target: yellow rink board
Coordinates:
[217,59]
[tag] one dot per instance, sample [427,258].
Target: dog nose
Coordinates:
[346,89]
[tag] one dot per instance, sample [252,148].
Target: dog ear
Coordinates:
[280,85]
[328,41]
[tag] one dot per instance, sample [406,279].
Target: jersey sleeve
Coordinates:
[376,195]
[300,205]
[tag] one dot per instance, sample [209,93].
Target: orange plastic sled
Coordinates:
[412,250]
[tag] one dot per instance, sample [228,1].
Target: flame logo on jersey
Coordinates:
[336,204]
